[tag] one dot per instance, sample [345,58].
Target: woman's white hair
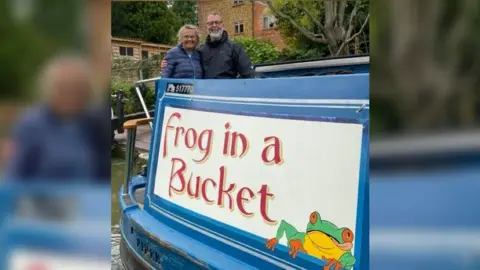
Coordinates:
[189,27]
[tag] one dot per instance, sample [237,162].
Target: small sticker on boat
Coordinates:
[180,88]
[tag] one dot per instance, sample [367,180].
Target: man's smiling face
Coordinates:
[214,27]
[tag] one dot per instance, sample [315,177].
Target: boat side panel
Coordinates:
[302,72]
[338,101]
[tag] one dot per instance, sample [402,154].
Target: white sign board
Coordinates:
[252,172]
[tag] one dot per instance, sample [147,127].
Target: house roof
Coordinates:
[136,40]
[141,42]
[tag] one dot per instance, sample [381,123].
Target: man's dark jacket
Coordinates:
[224,59]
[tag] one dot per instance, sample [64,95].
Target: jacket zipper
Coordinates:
[193,67]
[191,62]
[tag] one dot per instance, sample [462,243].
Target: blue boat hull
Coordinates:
[139,250]
[148,243]
[129,260]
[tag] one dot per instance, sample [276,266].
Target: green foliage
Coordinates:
[308,14]
[290,34]
[149,21]
[132,102]
[30,41]
[259,51]
[302,54]
[186,11]
[263,52]
[156,22]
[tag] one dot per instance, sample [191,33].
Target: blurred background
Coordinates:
[34,231]
[425,136]
[425,65]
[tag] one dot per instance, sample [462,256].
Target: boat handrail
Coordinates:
[147,80]
[428,144]
[314,64]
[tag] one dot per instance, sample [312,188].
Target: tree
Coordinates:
[32,38]
[334,23]
[186,11]
[425,62]
[259,51]
[149,21]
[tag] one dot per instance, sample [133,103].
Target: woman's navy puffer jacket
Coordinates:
[181,66]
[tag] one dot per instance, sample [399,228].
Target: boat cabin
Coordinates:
[266,173]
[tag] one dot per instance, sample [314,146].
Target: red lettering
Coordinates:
[178,131]
[197,188]
[276,146]
[167,128]
[241,200]
[233,149]
[177,174]
[190,193]
[222,191]
[204,189]
[231,141]
[190,143]
[191,138]
[264,196]
[205,149]
[226,139]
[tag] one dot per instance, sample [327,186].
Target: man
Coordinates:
[60,139]
[221,58]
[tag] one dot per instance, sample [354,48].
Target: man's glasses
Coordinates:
[214,22]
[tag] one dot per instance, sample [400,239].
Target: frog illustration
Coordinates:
[322,239]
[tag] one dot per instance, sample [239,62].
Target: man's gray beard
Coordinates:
[216,35]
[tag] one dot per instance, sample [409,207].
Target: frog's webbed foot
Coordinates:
[332,262]
[271,243]
[295,246]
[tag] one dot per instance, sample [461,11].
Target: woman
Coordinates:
[184,59]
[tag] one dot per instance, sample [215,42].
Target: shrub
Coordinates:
[259,51]
[132,103]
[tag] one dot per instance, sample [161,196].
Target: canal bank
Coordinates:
[118,174]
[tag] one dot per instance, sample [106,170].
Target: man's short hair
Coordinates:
[214,13]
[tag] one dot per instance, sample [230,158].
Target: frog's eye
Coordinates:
[313,218]
[347,235]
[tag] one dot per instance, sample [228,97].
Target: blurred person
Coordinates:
[6,151]
[221,57]
[184,59]
[58,139]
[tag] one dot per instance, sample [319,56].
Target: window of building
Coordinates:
[238,27]
[144,54]
[126,51]
[237,2]
[268,22]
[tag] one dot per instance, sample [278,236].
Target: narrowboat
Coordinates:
[58,226]
[424,201]
[265,173]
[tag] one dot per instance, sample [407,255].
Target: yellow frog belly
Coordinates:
[319,245]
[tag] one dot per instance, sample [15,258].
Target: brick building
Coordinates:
[136,49]
[247,18]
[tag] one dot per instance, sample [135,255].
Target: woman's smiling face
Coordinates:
[189,39]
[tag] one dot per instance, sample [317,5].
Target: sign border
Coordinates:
[160,205]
